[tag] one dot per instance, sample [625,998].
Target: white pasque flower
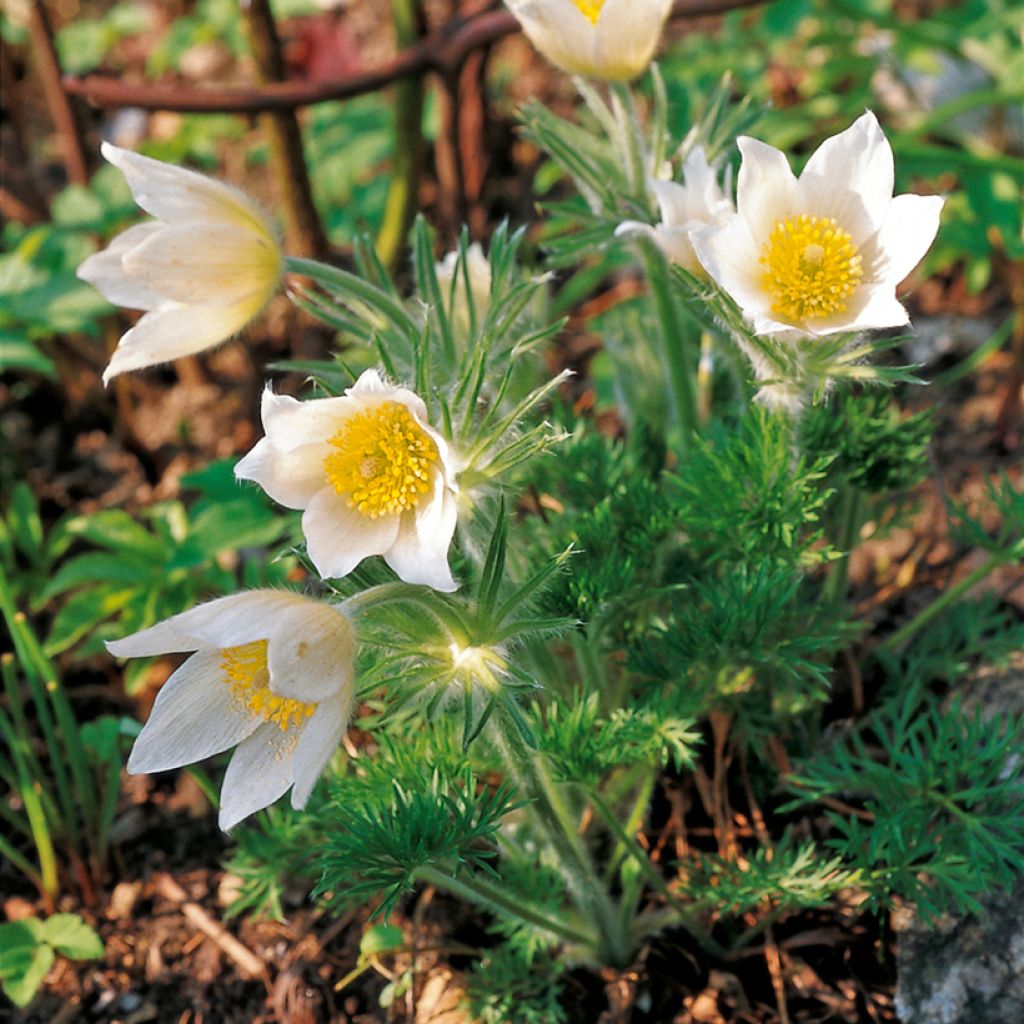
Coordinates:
[478,269]
[202,270]
[372,476]
[822,253]
[700,200]
[610,40]
[271,675]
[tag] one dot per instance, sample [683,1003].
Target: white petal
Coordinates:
[882,309]
[420,551]
[175,194]
[195,263]
[371,388]
[338,537]
[174,331]
[292,477]
[729,255]
[850,177]
[225,622]
[320,738]
[909,229]
[195,716]
[105,271]
[627,36]
[291,424]
[259,773]
[766,190]
[559,30]
[311,653]
[673,202]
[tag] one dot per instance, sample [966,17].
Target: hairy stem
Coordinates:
[550,811]
[941,603]
[676,356]
[849,533]
[477,891]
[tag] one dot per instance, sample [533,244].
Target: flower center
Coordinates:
[382,461]
[811,268]
[245,672]
[590,9]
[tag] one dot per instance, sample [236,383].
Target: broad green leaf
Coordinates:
[70,935]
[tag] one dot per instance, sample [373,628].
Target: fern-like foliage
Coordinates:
[372,850]
[943,793]
[748,497]
[582,745]
[788,877]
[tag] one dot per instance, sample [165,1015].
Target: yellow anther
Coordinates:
[382,462]
[590,9]
[811,268]
[245,672]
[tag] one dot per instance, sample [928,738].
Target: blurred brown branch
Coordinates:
[444,52]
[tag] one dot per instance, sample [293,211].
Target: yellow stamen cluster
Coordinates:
[811,268]
[245,672]
[590,9]
[383,460]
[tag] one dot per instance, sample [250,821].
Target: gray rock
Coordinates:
[969,970]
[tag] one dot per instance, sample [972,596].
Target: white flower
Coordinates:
[611,40]
[699,201]
[271,674]
[371,474]
[478,269]
[202,270]
[823,253]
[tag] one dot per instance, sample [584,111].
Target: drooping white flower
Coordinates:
[271,675]
[822,253]
[700,200]
[478,269]
[202,270]
[372,476]
[610,40]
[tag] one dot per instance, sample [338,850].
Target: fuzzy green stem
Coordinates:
[547,805]
[849,534]
[628,842]
[675,348]
[941,603]
[475,890]
[630,137]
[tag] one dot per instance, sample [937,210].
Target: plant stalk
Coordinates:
[475,890]
[941,603]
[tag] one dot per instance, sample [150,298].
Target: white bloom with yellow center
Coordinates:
[610,40]
[202,270]
[822,253]
[372,476]
[271,675]
[700,200]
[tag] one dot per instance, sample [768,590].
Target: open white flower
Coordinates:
[371,474]
[822,253]
[202,270]
[611,40]
[478,270]
[699,201]
[271,674]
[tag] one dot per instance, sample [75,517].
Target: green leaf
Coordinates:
[24,959]
[70,935]
[381,938]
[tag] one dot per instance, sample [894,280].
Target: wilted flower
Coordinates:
[699,201]
[824,253]
[611,40]
[202,270]
[371,474]
[271,673]
[478,269]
